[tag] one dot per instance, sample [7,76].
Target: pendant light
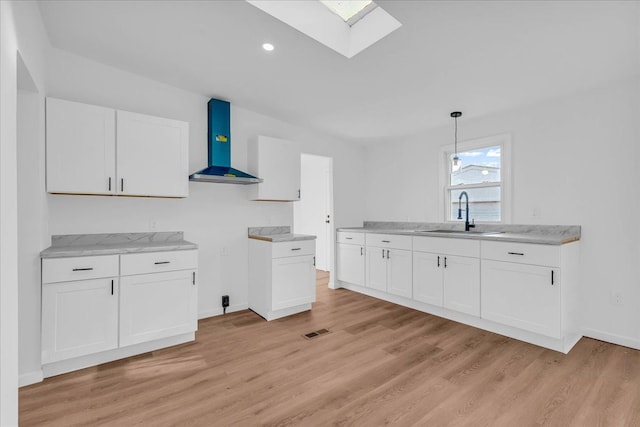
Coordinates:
[457,163]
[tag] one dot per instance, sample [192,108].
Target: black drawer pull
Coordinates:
[83,269]
[111,286]
[386,241]
[515,253]
[553,282]
[349,238]
[296,249]
[194,278]
[445,262]
[162,262]
[438,260]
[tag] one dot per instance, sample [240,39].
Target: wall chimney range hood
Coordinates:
[219,143]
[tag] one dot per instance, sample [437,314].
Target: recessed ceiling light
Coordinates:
[268,47]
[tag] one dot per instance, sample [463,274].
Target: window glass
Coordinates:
[477,166]
[484,204]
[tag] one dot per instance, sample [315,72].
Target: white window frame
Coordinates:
[444,166]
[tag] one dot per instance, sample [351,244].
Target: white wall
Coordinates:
[215,216]
[21,30]
[575,161]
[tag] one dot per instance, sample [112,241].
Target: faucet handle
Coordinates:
[473,223]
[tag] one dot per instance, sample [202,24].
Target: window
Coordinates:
[484,173]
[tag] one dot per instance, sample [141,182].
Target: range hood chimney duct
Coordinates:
[219,144]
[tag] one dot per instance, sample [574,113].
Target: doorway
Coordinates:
[313,214]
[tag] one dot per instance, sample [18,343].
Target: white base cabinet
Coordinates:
[157,305]
[351,258]
[444,278]
[90,307]
[282,277]
[79,318]
[388,264]
[525,291]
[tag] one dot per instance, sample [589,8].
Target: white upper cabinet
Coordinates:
[152,155]
[81,148]
[277,162]
[97,150]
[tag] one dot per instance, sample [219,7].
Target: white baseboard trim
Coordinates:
[218,311]
[624,341]
[29,378]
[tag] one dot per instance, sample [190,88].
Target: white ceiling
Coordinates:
[479,57]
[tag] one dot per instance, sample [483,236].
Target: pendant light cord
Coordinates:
[455,119]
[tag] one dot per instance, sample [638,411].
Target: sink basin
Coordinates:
[460,232]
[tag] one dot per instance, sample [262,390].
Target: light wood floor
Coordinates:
[381,364]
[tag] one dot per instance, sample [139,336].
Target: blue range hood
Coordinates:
[219,138]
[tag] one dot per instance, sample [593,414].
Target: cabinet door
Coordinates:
[427,277]
[278,164]
[153,156]
[462,284]
[522,296]
[399,273]
[376,268]
[81,154]
[79,318]
[294,282]
[158,305]
[351,263]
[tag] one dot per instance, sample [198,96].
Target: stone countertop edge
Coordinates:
[64,246]
[276,234]
[537,234]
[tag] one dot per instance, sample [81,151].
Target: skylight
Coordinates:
[351,11]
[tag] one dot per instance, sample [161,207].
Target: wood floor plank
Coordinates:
[380,364]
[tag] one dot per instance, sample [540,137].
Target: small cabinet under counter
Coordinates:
[282,275]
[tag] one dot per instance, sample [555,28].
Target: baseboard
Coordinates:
[218,311]
[624,341]
[29,378]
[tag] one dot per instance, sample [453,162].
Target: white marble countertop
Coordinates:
[276,234]
[539,234]
[73,245]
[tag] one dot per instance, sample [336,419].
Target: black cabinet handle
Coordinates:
[445,262]
[361,251]
[387,253]
[349,238]
[386,241]
[438,260]
[83,269]
[122,184]
[109,183]
[298,194]
[162,262]
[314,261]
[552,278]
[111,286]
[194,278]
[383,254]
[515,253]
[296,249]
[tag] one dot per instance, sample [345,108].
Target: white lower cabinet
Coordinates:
[157,305]
[79,318]
[523,295]
[388,264]
[88,307]
[282,277]
[522,290]
[444,279]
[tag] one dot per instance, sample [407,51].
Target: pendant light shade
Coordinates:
[456,163]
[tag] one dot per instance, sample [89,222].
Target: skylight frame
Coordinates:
[351,19]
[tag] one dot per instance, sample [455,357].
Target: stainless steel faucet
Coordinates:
[467,226]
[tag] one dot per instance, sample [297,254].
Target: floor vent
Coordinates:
[317,333]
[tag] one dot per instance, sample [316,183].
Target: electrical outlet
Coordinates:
[618,298]
[224,251]
[225,301]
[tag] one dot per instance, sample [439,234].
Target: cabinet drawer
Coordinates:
[389,241]
[523,253]
[447,246]
[79,268]
[295,248]
[349,237]
[154,262]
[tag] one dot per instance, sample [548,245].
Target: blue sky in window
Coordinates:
[489,156]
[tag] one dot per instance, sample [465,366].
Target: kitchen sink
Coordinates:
[459,232]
